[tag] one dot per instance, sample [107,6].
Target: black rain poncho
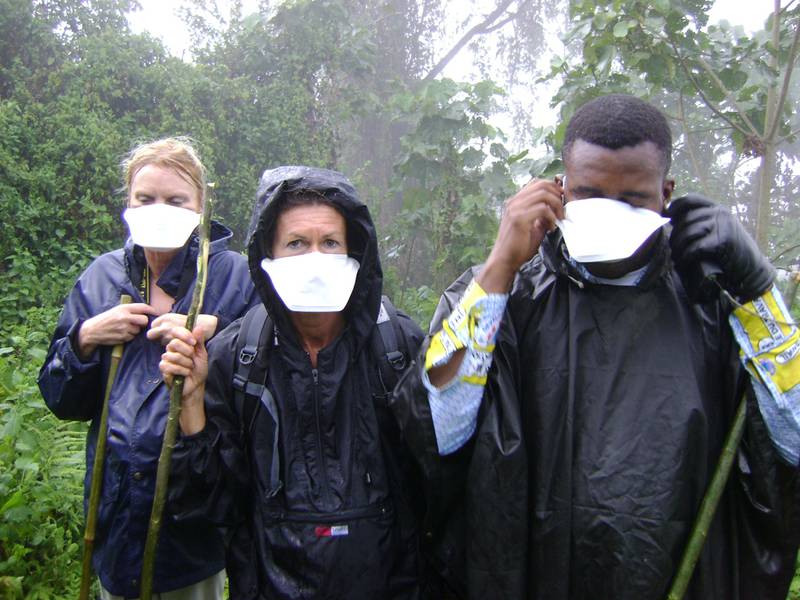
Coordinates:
[600,428]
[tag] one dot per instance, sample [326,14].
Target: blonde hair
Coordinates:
[176,153]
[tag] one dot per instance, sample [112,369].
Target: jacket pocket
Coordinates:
[351,553]
[109,495]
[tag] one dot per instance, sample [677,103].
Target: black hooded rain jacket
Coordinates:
[339,523]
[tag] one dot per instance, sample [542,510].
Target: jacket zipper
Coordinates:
[326,492]
[364,512]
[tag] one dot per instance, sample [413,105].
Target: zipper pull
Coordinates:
[315,375]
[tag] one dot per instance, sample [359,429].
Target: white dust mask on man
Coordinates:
[603,230]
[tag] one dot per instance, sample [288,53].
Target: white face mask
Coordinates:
[160,226]
[313,282]
[602,230]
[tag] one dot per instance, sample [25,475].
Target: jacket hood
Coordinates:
[362,309]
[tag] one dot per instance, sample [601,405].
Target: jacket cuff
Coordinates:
[73,355]
[222,323]
[202,436]
[769,348]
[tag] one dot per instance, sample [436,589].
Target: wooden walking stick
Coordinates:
[170,433]
[708,507]
[97,469]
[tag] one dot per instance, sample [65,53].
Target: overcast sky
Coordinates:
[160,19]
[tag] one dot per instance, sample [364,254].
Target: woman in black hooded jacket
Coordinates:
[315,483]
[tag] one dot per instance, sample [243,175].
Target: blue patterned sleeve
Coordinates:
[769,343]
[473,326]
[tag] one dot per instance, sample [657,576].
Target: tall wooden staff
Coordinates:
[162,474]
[97,469]
[708,507]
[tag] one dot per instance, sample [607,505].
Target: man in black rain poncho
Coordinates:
[313,470]
[574,465]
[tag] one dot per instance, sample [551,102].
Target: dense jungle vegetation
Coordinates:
[357,86]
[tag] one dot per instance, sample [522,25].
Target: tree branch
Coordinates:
[699,89]
[96,486]
[786,137]
[502,23]
[707,129]
[708,507]
[788,6]
[770,113]
[775,257]
[787,77]
[690,148]
[173,415]
[728,95]
[480,28]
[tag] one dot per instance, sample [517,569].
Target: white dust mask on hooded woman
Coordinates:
[603,230]
[313,282]
[160,226]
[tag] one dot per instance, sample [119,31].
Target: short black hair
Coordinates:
[619,121]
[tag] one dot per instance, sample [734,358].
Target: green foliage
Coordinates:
[334,83]
[271,89]
[453,175]
[655,46]
[41,470]
[718,85]
[78,91]
[794,590]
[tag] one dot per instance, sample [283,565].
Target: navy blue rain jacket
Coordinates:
[189,550]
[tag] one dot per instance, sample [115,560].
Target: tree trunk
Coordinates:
[766,170]
[766,176]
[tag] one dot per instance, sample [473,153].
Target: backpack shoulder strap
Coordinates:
[250,384]
[250,370]
[386,346]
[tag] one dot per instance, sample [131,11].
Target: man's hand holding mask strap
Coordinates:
[705,232]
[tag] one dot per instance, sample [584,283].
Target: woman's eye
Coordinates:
[331,244]
[294,244]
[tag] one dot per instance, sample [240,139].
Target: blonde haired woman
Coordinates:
[164,184]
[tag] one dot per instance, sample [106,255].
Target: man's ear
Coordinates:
[667,187]
[561,181]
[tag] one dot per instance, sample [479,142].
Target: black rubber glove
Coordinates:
[708,241]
